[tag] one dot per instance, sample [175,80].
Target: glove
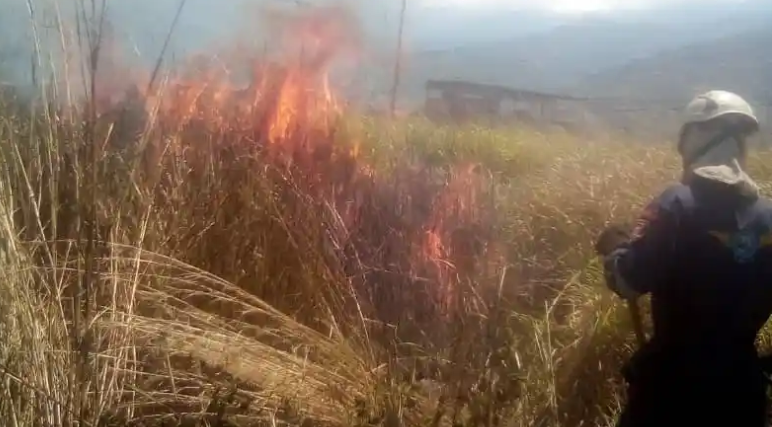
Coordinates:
[608,245]
[614,280]
[611,238]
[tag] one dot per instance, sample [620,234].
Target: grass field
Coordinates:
[274,259]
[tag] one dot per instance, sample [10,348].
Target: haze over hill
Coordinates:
[564,58]
[735,62]
[659,49]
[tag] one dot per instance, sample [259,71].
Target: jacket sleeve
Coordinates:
[638,265]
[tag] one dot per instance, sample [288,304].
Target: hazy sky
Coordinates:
[569,5]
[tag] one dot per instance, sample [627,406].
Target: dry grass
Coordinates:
[199,264]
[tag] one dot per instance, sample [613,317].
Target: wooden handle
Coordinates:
[635,315]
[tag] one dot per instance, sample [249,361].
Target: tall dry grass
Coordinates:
[208,256]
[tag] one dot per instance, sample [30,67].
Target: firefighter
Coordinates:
[703,250]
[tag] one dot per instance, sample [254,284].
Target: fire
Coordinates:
[286,115]
[287,105]
[450,248]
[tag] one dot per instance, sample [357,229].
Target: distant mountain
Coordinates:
[432,27]
[529,49]
[736,63]
[555,59]
[561,58]
[657,88]
[436,26]
[447,28]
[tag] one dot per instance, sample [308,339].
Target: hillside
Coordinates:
[735,63]
[662,84]
[436,27]
[562,59]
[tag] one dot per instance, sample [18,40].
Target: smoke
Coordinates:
[234,33]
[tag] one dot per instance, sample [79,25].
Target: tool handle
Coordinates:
[635,315]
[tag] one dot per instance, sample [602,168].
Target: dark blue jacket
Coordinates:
[704,252]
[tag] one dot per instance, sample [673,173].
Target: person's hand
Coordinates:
[611,238]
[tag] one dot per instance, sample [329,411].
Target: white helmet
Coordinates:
[717,103]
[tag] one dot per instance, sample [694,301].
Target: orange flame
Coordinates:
[287,112]
[452,250]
